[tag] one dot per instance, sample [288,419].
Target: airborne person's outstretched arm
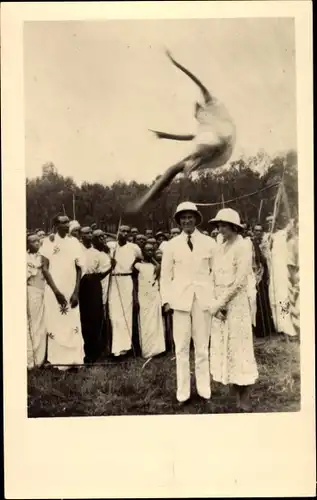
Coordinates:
[174,137]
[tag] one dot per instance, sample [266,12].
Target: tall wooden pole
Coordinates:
[74,209]
[260,210]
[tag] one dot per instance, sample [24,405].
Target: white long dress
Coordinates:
[152,338]
[232,359]
[65,341]
[279,283]
[36,340]
[121,296]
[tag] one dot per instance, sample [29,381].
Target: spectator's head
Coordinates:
[244,229]
[175,231]
[158,255]
[160,237]
[123,234]
[140,240]
[268,223]
[148,251]
[281,221]
[61,223]
[41,234]
[152,241]
[258,232]
[86,236]
[33,243]
[149,233]
[214,233]
[134,231]
[98,239]
[130,238]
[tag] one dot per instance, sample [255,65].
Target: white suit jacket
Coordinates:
[186,273]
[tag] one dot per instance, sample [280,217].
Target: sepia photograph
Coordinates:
[158,260]
[162,217]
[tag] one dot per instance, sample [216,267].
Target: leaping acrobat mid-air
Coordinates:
[214,142]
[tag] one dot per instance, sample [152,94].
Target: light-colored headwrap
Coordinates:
[74,224]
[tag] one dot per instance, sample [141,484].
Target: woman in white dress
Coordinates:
[36,342]
[152,338]
[232,359]
[64,265]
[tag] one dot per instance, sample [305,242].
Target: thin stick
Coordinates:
[260,210]
[74,210]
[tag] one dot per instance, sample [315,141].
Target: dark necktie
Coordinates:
[190,243]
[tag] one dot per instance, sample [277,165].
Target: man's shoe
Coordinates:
[181,404]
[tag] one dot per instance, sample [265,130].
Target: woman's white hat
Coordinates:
[228,216]
[188,206]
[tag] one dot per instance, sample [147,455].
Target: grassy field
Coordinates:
[130,388]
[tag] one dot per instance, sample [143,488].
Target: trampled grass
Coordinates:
[132,387]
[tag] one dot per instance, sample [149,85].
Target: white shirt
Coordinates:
[63,254]
[186,273]
[95,261]
[125,256]
[62,249]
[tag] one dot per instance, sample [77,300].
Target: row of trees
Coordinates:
[51,193]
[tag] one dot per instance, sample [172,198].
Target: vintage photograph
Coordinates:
[162,233]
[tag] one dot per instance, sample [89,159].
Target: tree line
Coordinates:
[52,193]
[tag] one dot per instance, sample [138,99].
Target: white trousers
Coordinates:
[195,324]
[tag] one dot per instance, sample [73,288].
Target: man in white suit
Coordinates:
[186,289]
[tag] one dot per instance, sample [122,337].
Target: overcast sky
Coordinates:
[92,90]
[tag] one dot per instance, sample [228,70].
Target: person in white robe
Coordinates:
[251,278]
[279,282]
[64,265]
[152,341]
[293,277]
[37,339]
[121,298]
